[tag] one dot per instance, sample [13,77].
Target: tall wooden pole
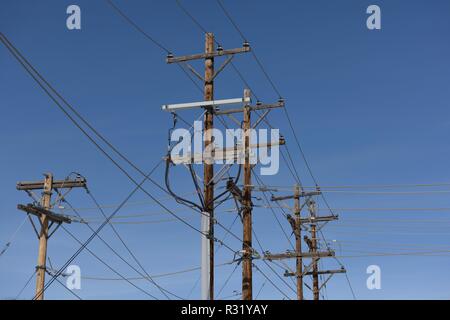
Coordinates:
[298,243]
[43,237]
[207,220]
[247,205]
[209,167]
[312,210]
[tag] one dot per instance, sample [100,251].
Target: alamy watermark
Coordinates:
[374,280]
[73,274]
[73,21]
[228,147]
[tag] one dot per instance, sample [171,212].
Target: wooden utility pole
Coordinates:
[45,217]
[298,242]
[43,236]
[208,169]
[247,206]
[296,225]
[314,254]
[210,74]
[224,154]
[315,274]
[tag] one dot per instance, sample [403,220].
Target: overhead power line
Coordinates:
[37,77]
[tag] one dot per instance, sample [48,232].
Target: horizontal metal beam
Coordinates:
[301,195]
[59,184]
[217,53]
[290,255]
[327,272]
[319,219]
[202,104]
[310,273]
[252,108]
[40,211]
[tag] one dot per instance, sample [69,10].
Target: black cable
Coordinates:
[106,265]
[149,37]
[128,19]
[227,280]
[28,67]
[252,52]
[163,291]
[65,287]
[273,212]
[13,51]
[197,23]
[271,282]
[197,187]
[279,95]
[267,264]
[177,198]
[26,285]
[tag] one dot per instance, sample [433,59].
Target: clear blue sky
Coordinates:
[370,107]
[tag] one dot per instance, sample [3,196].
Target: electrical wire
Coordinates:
[162,275]
[133,255]
[101,261]
[271,282]
[13,236]
[25,63]
[139,29]
[26,285]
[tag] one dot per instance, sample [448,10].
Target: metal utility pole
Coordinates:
[247,253]
[207,222]
[46,219]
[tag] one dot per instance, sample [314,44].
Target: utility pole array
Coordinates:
[47,219]
[207,224]
[211,109]
[311,223]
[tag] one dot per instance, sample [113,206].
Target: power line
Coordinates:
[26,284]
[162,275]
[279,95]
[137,27]
[271,282]
[101,261]
[71,292]
[28,68]
[163,291]
[13,236]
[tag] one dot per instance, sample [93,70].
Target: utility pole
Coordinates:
[296,223]
[208,169]
[315,274]
[247,254]
[207,220]
[46,219]
[231,154]
[43,236]
[298,242]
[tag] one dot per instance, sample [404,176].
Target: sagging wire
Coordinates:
[177,198]
[203,205]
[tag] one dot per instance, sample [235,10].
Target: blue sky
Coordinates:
[370,107]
